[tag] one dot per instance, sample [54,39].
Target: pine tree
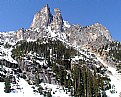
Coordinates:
[49,94]
[7,88]
[37,80]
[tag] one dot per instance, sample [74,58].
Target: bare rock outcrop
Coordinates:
[42,19]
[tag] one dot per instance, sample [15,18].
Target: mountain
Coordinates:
[42,18]
[54,58]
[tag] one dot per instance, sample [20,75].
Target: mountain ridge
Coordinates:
[84,36]
[44,19]
[53,51]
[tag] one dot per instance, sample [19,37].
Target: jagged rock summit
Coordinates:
[57,23]
[102,30]
[44,18]
[47,25]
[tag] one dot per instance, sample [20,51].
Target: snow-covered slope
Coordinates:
[6,54]
[26,90]
[115,77]
[46,26]
[21,88]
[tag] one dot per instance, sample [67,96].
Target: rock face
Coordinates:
[102,30]
[57,23]
[20,34]
[94,36]
[42,19]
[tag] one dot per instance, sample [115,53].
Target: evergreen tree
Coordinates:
[37,79]
[7,88]
[49,94]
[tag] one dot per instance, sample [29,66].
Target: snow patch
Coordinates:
[66,24]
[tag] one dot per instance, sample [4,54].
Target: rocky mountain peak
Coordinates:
[95,35]
[42,18]
[57,20]
[102,30]
[45,10]
[57,11]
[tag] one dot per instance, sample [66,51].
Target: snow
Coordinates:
[7,69]
[7,33]
[56,89]
[27,91]
[51,32]
[22,89]
[77,58]
[31,40]
[66,24]
[115,76]
[8,37]
[41,62]
[6,54]
[115,79]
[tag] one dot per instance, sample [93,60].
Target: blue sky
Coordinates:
[15,14]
